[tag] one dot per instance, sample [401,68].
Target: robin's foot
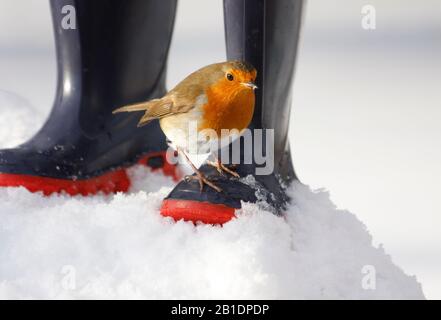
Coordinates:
[198,175]
[202,180]
[221,168]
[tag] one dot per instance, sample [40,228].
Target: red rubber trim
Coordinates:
[111,182]
[190,210]
[168,169]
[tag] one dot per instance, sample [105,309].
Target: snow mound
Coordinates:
[119,246]
[18,119]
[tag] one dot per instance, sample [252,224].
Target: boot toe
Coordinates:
[187,202]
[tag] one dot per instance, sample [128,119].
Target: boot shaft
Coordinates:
[116,54]
[266,34]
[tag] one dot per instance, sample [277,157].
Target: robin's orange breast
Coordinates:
[227,108]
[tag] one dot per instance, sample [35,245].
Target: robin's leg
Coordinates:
[220,167]
[199,175]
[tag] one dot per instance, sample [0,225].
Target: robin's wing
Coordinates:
[154,109]
[185,97]
[176,101]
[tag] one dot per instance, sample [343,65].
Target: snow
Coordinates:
[119,246]
[18,120]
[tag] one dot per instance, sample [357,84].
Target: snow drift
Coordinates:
[119,246]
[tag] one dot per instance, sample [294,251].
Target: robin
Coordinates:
[216,97]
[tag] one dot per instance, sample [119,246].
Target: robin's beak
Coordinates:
[250,85]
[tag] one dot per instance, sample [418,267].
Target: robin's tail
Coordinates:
[154,109]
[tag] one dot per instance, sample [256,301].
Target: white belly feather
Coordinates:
[182,132]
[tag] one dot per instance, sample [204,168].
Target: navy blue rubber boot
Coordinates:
[264,33]
[114,54]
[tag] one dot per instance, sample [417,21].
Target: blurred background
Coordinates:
[366,115]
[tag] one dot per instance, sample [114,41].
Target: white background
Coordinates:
[366,113]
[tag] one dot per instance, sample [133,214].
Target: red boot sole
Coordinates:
[111,182]
[196,211]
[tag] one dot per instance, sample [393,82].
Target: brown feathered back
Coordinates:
[183,96]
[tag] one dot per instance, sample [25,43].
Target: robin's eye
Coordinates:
[230,77]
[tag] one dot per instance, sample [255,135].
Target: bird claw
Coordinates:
[216,166]
[202,180]
[221,168]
